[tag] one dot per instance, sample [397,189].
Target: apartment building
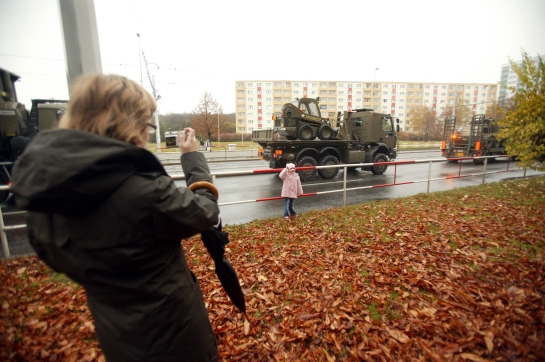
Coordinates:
[508,78]
[257,100]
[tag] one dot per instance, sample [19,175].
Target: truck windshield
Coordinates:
[387,125]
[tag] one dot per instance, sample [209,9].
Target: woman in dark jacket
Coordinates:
[102,210]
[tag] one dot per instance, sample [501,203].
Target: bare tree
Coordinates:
[206,117]
[424,120]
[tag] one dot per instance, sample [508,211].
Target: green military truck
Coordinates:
[360,136]
[18,126]
[478,138]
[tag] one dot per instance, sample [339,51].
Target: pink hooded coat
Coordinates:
[292,184]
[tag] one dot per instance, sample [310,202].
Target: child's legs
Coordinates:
[286,206]
[291,208]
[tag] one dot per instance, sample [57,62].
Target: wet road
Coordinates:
[258,186]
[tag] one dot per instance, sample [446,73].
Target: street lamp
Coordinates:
[140,57]
[376,74]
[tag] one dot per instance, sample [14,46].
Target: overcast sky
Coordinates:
[206,45]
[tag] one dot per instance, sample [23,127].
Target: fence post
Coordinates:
[484,169]
[344,185]
[524,176]
[429,177]
[5,246]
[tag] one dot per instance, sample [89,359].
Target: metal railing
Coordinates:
[344,190]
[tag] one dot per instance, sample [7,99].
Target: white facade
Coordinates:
[508,78]
[257,100]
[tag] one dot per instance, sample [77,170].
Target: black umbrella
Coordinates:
[215,240]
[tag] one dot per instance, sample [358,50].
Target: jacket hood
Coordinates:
[64,170]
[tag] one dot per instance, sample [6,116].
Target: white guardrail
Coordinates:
[344,189]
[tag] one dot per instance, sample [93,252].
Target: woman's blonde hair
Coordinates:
[109,105]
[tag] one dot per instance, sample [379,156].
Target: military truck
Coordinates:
[360,136]
[478,138]
[18,126]
[301,119]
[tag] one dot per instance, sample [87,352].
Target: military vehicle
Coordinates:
[18,126]
[478,138]
[301,119]
[360,136]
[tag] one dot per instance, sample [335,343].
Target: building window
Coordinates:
[384,93]
[402,86]
[341,85]
[287,84]
[240,99]
[385,86]
[277,84]
[296,84]
[367,85]
[249,85]
[331,85]
[323,92]
[341,93]
[411,86]
[323,84]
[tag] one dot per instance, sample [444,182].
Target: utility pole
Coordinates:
[218,128]
[140,57]
[158,131]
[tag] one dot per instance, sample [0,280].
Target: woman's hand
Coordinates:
[188,142]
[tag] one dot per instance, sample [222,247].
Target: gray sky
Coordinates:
[206,45]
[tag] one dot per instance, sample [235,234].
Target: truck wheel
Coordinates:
[304,132]
[307,175]
[380,169]
[478,161]
[325,132]
[328,173]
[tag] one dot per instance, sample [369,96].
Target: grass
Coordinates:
[435,269]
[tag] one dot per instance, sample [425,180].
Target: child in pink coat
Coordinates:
[291,189]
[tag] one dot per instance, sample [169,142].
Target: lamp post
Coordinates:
[376,74]
[140,57]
